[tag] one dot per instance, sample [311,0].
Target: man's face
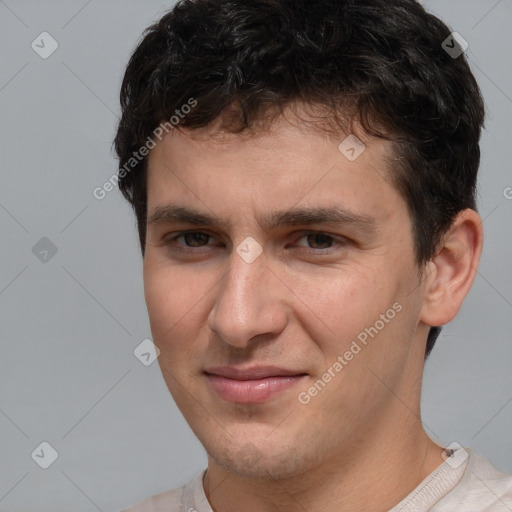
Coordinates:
[249,341]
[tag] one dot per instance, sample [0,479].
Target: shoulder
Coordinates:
[173,500]
[482,488]
[168,501]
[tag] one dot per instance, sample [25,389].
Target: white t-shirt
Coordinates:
[465,482]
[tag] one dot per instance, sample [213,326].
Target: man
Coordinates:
[303,175]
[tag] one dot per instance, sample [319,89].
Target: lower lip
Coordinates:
[251,391]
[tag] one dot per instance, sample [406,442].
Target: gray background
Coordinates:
[70,324]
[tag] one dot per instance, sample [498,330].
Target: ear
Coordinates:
[452,271]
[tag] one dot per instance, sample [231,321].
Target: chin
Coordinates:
[264,462]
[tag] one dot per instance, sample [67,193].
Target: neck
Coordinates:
[377,469]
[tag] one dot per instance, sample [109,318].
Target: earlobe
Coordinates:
[452,271]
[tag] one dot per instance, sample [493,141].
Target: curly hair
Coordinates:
[381,63]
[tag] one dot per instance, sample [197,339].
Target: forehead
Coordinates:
[288,163]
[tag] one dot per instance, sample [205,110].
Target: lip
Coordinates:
[251,385]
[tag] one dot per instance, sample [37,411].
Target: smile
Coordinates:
[255,385]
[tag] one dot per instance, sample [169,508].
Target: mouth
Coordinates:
[251,385]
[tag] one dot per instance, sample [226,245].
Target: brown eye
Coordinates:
[195,239]
[319,240]
[189,242]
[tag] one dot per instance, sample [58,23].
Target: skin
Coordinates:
[299,306]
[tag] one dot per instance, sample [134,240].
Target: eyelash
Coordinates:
[189,250]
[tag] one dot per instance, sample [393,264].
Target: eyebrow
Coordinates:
[173,213]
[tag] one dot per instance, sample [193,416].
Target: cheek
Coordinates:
[360,324]
[174,299]
[338,305]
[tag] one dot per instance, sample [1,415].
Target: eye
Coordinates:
[198,242]
[318,239]
[321,242]
[188,241]
[194,238]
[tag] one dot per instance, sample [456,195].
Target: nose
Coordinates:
[250,301]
